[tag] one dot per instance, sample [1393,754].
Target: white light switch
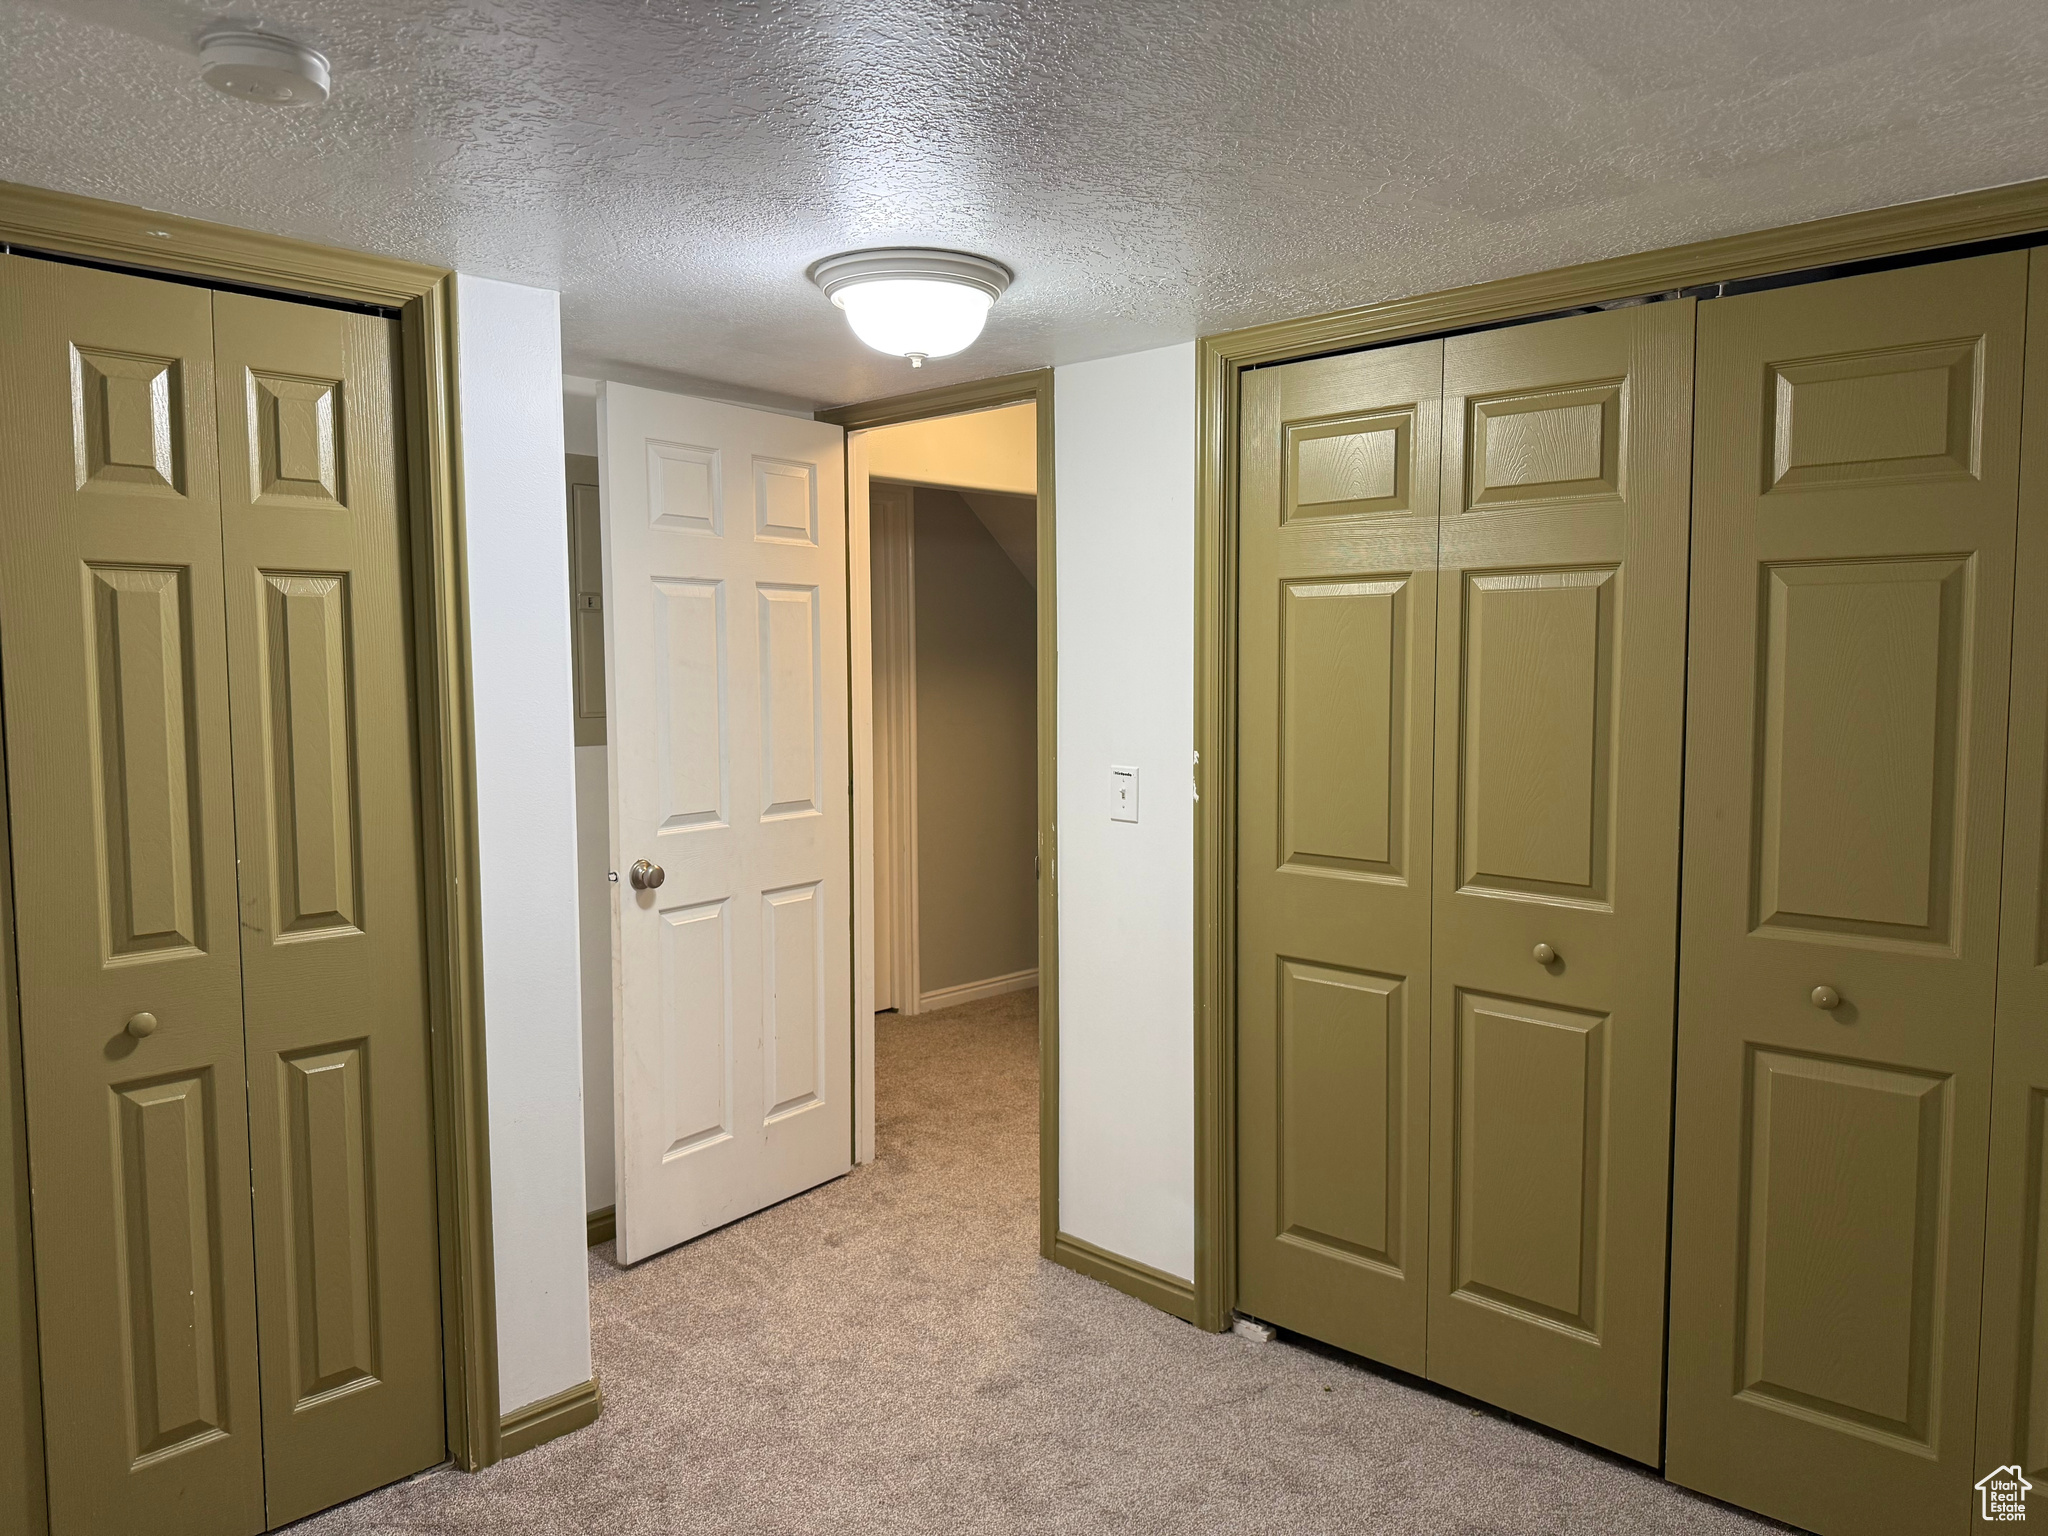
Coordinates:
[1123,794]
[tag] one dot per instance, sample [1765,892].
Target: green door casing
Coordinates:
[1338,622]
[179,557]
[1854,512]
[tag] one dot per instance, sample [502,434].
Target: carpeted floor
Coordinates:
[888,1353]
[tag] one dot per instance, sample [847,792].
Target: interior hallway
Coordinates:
[888,1353]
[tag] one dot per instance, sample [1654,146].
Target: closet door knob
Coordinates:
[1544,954]
[1826,997]
[142,1024]
[646,876]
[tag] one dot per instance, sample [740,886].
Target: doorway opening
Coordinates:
[950,498]
[929,595]
[953,575]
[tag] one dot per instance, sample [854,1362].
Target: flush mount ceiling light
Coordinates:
[911,302]
[261,67]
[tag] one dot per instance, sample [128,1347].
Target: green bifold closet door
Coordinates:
[2012,1390]
[1855,509]
[1462,650]
[217,901]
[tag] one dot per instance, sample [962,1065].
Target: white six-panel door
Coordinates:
[727,695]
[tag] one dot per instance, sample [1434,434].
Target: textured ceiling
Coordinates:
[1152,171]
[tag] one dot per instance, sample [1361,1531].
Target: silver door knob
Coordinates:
[1544,954]
[1826,997]
[142,1024]
[646,876]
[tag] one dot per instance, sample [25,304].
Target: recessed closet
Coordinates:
[212,798]
[1626,825]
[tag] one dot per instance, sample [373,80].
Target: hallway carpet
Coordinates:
[889,1354]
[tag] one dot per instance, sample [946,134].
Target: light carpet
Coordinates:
[888,1353]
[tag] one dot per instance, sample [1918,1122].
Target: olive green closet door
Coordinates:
[1337,621]
[334,983]
[1559,739]
[1854,513]
[124,866]
[2012,1391]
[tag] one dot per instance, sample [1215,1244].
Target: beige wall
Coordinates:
[977,774]
[976,451]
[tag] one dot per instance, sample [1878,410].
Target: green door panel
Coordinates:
[1855,496]
[119,785]
[2012,1389]
[1560,682]
[333,972]
[1337,617]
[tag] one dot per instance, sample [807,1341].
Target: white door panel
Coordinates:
[725,599]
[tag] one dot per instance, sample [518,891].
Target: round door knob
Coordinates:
[1544,954]
[646,876]
[1826,997]
[142,1024]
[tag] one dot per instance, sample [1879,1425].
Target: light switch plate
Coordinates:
[1123,794]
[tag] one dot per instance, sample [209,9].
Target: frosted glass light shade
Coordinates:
[914,317]
[913,303]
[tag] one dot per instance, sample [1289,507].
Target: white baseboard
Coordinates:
[975,991]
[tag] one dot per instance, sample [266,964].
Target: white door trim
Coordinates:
[861,739]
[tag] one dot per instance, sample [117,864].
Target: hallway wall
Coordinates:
[509,376]
[1125,444]
[977,743]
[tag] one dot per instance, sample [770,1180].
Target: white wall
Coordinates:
[1124,431]
[509,394]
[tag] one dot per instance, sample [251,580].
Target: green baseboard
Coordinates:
[1154,1287]
[550,1418]
[604,1225]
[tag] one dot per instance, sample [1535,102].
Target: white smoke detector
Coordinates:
[261,67]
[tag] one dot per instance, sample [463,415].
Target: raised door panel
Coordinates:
[118,770]
[691,693]
[1528,1144]
[1861,845]
[1342,770]
[315,840]
[1560,674]
[141,707]
[1845,781]
[2012,1386]
[697,1017]
[1841,1263]
[1340,1113]
[169,1234]
[334,980]
[1538,699]
[792,701]
[792,980]
[1336,655]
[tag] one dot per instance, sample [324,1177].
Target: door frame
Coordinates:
[957,400]
[38,222]
[1221,362]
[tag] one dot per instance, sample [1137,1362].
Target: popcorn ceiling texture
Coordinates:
[1152,170]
